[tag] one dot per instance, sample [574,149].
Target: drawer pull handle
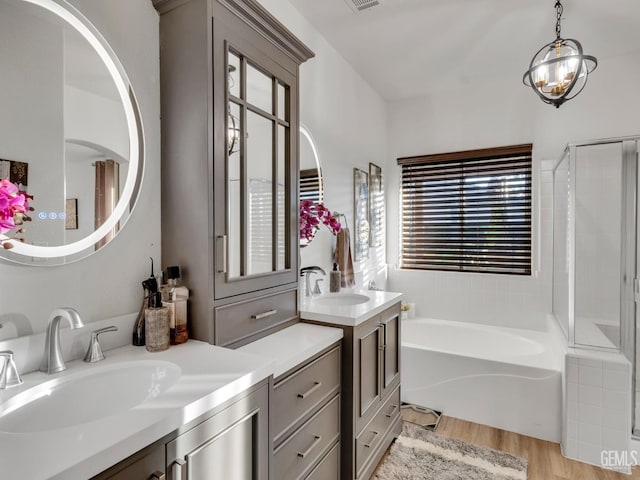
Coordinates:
[317,440]
[393,409]
[157,475]
[316,386]
[179,470]
[222,254]
[375,434]
[258,316]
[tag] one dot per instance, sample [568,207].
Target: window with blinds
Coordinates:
[468,211]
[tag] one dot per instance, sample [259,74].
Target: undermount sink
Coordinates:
[341,299]
[86,396]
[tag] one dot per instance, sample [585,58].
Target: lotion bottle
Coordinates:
[334,279]
[177,305]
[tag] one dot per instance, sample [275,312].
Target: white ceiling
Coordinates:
[409,48]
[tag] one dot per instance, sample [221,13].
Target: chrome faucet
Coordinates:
[9,376]
[306,272]
[52,360]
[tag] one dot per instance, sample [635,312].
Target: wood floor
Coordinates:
[545,462]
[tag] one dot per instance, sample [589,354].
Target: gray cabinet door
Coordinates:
[231,445]
[256,166]
[368,349]
[391,358]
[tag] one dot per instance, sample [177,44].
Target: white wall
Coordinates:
[494,115]
[107,283]
[347,119]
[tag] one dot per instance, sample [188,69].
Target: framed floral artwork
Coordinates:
[376,206]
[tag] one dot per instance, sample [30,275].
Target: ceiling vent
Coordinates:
[361,5]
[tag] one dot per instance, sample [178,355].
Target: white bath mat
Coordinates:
[420,454]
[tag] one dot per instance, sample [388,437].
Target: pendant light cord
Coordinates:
[559,10]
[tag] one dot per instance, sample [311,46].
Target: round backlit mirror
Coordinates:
[70,131]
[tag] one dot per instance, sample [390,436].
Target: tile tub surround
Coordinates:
[597,405]
[348,315]
[210,376]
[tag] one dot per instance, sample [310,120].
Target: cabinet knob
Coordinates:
[157,475]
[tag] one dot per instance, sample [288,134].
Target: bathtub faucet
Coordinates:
[306,272]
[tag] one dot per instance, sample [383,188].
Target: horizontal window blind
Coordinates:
[310,185]
[468,211]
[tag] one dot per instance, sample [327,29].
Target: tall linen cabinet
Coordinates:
[229,92]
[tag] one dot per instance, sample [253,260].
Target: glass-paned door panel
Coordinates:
[233,78]
[260,194]
[259,89]
[255,238]
[282,219]
[234,193]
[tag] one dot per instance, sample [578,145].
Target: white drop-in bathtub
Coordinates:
[504,377]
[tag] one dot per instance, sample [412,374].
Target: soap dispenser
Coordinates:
[334,279]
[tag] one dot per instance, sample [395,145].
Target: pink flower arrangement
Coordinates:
[14,206]
[311,215]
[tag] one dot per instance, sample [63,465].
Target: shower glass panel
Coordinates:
[561,243]
[594,242]
[598,244]
[595,260]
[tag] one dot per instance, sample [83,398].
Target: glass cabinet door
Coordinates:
[256,239]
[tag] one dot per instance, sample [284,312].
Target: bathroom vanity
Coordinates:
[237,431]
[193,399]
[137,414]
[370,415]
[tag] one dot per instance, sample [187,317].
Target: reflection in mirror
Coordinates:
[69,116]
[311,187]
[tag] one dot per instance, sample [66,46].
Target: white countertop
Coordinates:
[293,345]
[348,315]
[210,376]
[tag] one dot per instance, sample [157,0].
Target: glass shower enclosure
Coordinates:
[595,261]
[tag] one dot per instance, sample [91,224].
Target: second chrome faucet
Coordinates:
[306,272]
[52,360]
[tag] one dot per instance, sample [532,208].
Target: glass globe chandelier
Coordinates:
[558,71]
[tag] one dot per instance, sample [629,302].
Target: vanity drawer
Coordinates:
[329,467]
[241,322]
[297,395]
[300,451]
[368,441]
